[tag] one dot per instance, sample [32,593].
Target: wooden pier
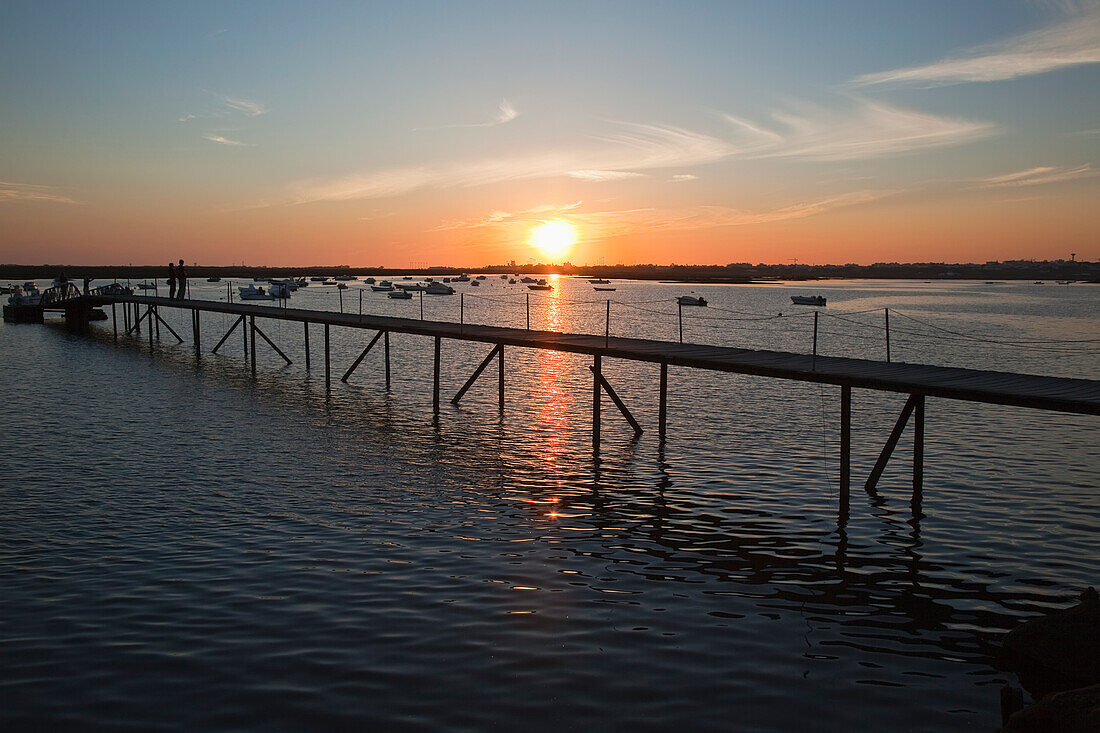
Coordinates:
[918,381]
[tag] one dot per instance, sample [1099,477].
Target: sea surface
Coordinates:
[184,546]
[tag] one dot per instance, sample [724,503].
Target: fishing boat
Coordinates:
[253,293]
[439,289]
[400,294]
[691,300]
[818,300]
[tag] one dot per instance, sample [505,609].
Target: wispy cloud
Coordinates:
[682,177]
[612,223]
[217,137]
[867,130]
[617,155]
[13,191]
[1038,176]
[1072,42]
[249,107]
[216,33]
[186,117]
[598,176]
[506,112]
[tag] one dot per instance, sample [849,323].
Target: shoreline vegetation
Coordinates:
[740,273]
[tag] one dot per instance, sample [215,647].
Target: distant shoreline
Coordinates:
[739,274]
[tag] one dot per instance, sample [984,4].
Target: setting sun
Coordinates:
[553,238]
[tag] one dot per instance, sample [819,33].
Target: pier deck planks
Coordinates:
[1023,390]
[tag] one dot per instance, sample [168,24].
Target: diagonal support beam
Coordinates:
[138,321]
[615,398]
[157,316]
[477,373]
[229,333]
[271,343]
[362,356]
[891,443]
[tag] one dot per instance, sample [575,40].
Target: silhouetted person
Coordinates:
[171,280]
[181,281]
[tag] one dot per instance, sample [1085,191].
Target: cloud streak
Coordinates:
[249,107]
[868,130]
[1038,176]
[12,191]
[506,112]
[1073,42]
[629,150]
[216,137]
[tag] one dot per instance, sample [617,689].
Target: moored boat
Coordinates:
[400,294]
[439,289]
[691,300]
[818,300]
[253,293]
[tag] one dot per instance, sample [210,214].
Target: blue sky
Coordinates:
[398,133]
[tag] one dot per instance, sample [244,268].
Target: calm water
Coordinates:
[185,546]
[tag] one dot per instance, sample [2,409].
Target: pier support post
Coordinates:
[156,315]
[662,405]
[255,330]
[373,341]
[157,321]
[229,333]
[151,317]
[845,448]
[500,379]
[892,442]
[195,327]
[477,373]
[114,321]
[918,455]
[328,377]
[306,325]
[602,381]
[596,402]
[435,382]
[386,343]
[136,327]
[252,328]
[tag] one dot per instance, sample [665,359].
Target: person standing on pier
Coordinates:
[171,281]
[181,281]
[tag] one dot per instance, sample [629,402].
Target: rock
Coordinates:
[1074,711]
[1060,651]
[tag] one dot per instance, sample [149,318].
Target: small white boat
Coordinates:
[439,289]
[808,300]
[400,295]
[253,293]
[691,300]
